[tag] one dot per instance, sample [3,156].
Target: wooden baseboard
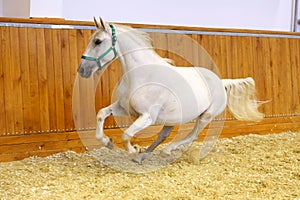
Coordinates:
[17,147]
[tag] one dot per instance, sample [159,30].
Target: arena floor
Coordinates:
[245,167]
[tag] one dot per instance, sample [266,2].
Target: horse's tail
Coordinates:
[241,99]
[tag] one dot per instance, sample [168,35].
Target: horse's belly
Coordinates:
[181,111]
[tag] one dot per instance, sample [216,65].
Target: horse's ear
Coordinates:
[104,25]
[97,24]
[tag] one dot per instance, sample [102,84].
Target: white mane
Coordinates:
[139,39]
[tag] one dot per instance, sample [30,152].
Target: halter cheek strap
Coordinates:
[112,48]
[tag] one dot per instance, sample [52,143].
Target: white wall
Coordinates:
[1,8]
[245,14]
[297,26]
[31,8]
[248,14]
[15,8]
[46,8]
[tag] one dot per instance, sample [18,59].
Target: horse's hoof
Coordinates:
[137,160]
[140,158]
[167,152]
[110,144]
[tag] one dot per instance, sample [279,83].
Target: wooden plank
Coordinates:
[246,61]
[42,81]
[37,137]
[294,45]
[74,57]
[262,72]
[221,60]
[285,77]
[13,157]
[76,101]
[160,43]
[204,54]
[25,80]
[275,42]
[37,146]
[210,54]
[230,57]
[33,102]
[3,58]
[236,51]
[73,64]
[215,52]
[16,81]
[196,50]
[49,53]
[176,49]
[21,156]
[58,75]
[8,81]
[66,76]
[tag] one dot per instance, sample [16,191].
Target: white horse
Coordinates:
[157,92]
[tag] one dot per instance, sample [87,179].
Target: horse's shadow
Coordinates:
[119,159]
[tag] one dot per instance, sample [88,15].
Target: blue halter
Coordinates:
[112,48]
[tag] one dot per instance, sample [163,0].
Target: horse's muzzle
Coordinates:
[84,72]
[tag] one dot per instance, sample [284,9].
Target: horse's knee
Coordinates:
[103,113]
[100,115]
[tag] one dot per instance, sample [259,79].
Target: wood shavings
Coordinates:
[248,167]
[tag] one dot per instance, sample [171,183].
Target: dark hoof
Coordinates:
[136,160]
[140,158]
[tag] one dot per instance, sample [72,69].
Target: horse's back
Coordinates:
[196,81]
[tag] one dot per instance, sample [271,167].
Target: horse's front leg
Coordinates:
[113,109]
[142,122]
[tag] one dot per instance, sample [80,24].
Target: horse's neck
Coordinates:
[133,53]
[140,58]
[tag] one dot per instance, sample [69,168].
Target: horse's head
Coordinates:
[100,50]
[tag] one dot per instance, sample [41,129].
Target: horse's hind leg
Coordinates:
[200,124]
[165,132]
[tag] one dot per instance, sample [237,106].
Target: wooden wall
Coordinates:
[38,72]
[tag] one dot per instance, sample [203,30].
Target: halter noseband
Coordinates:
[112,48]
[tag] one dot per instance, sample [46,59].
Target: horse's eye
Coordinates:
[97,42]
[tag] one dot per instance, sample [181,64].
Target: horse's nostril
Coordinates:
[80,70]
